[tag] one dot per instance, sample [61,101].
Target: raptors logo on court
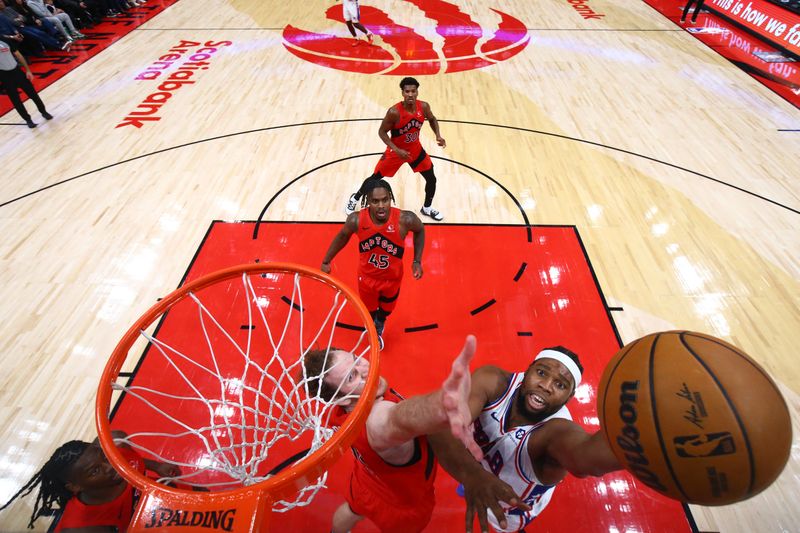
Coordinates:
[400,50]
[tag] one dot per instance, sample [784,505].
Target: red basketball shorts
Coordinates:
[390,162]
[378,293]
[388,515]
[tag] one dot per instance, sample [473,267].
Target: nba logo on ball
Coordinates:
[694,418]
[704,445]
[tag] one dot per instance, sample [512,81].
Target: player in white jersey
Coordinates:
[506,456]
[528,439]
[352,17]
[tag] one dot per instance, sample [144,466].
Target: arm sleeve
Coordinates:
[38,9]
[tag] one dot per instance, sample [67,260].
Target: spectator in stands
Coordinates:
[125,5]
[31,18]
[697,8]
[97,8]
[60,19]
[26,45]
[77,10]
[33,21]
[116,7]
[31,33]
[9,34]
[13,79]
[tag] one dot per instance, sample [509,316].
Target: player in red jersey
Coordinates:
[381,231]
[394,467]
[92,496]
[404,121]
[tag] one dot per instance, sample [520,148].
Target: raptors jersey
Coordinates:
[506,455]
[405,132]
[117,513]
[380,247]
[407,485]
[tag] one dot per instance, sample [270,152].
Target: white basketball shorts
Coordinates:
[350,10]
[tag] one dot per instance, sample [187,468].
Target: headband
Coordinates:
[564,360]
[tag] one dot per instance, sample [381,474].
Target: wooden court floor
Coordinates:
[679,171]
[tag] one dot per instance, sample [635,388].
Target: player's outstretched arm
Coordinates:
[568,446]
[339,242]
[393,424]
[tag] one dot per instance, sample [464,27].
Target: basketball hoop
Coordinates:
[219,391]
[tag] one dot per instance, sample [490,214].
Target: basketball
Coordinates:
[694,418]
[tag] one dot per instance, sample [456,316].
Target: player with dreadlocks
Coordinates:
[79,482]
[381,231]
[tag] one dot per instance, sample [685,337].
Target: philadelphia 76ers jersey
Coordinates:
[506,456]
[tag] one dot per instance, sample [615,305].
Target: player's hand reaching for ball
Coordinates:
[455,398]
[483,492]
[325,267]
[441,142]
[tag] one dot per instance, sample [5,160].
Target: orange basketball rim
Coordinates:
[247,508]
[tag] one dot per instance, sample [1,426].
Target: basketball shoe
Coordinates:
[352,203]
[379,326]
[431,212]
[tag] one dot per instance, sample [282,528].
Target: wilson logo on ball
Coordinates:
[629,441]
[462,44]
[708,445]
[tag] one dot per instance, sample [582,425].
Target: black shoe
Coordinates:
[31,123]
[46,115]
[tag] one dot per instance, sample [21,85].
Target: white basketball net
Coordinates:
[235,403]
